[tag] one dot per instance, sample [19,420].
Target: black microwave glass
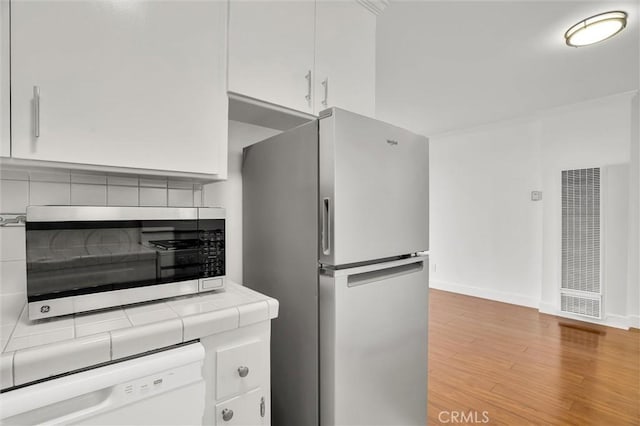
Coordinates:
[70,258]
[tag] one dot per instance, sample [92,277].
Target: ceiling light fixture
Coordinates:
[596,28]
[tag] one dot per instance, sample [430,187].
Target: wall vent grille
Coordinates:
[581,242]
[578,305]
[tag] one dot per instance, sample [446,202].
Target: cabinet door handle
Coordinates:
[36,111]
[308,95]
[325,83]
[243,371]
[227,414]
[262,407]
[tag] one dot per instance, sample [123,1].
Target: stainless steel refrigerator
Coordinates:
[335,217]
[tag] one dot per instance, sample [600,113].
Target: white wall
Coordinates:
[615,237]
[591,134]
[633,264]
[487,238]
[485,231]
[228,194]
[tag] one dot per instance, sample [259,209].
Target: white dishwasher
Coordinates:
[163,388]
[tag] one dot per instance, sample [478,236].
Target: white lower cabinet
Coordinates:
[245,410]
[237,374]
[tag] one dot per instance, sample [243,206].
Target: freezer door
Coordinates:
[373,344]
[374,190]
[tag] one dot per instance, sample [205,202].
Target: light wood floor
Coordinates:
[522,367]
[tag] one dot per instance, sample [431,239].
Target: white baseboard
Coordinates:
[610,320]
[634,321]
[484,293]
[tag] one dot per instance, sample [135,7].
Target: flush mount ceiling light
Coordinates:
[596,28]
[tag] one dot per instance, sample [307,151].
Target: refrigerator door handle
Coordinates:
[369,277]
[326,226]
[377,271]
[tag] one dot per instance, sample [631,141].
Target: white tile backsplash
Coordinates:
[95,179]
[13,276]
[153,183]
[88,195]
[180,184]
[14,174]
[20,188]
[153,196]
[50,193]
[50,176]
[12,243]
[197,196]
[14,196]
[6,369]
[180,197]
[122,180]
[122,195]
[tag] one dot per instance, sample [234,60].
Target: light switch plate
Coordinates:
[536,195]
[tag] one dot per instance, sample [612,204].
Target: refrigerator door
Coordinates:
[280,258]
[374,189]
[373,344]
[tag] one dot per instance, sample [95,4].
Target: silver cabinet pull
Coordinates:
[308,95]
[36,111]
[262,407]
[243,371]
[325,83]
[227,414]
[326,226]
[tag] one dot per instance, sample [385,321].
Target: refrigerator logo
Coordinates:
[392,142]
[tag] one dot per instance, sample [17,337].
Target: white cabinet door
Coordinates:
[5,142]
[245,410]
[233,388]
[121,83]
[271,51]
[345,57]
[238,368]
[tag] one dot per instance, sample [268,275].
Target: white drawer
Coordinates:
[244,410]
[239,368]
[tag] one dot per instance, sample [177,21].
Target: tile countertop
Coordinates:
[39,349]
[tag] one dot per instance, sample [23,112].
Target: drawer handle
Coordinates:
[227,414]
[243,371]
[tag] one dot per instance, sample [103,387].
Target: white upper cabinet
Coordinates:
[305,55]
[135,84]
[271,51]
[5,142]
[345,57]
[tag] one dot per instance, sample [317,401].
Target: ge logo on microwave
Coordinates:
[45,308]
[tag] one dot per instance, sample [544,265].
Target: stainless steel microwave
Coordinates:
[84,258]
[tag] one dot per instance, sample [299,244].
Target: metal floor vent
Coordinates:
[581,290]
[579,305]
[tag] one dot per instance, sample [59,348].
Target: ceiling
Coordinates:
[447,65]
